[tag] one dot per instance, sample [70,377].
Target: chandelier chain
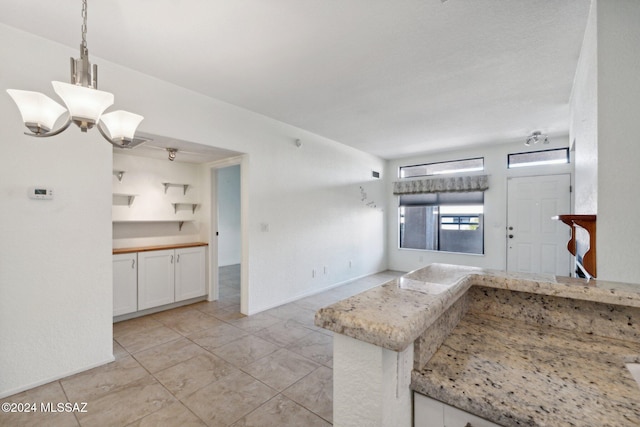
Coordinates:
[84,24]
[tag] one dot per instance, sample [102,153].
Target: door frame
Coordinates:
[212,178]
[571,204]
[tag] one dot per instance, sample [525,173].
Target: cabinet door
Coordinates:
[190,273]
[427,412]
[125,284]
[155,278]
[456,417]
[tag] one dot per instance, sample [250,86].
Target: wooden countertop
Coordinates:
[158,247]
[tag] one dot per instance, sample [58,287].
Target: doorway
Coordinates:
[227,234]
[535,242]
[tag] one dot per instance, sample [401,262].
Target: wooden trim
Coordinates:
[588,222]
[158,248]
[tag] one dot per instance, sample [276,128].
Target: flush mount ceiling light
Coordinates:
[85,104]
[172,153]
[536,137]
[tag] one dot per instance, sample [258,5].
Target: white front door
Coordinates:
[535,242]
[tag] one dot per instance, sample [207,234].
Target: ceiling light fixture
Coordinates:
[172,153]
[85,104]
[536,137]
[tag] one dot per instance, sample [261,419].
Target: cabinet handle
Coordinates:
[133,263]
[178,258]
[171,259]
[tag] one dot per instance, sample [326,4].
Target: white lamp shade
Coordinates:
[37,108]
[121,124]
[83,102]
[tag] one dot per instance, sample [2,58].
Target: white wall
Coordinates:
[229,243]
[495,203]
[55,255]
[606,106]
[618,142]
[141,224]
[55,287]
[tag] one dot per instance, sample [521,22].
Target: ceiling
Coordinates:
[393,78]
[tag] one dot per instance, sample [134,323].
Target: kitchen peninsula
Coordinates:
[513,349]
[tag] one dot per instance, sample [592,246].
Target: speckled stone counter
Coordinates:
[393,315]
[516,374]
[515,349]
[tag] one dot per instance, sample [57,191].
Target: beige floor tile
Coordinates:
[137,341]
[134,325]
[228,314]
[256,322]
[168,354]
[45,394]
[315,392]
[245,350]
[191,375]
[223,402]
[211,307]
[280,369]
[217,336]
[279,412]
[174,415]
[126,404]
[315,346]
[102,380]
[284,333]
[291,311]
[188,321]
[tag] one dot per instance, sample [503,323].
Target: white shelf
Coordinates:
[173,184]
[192,205]
[130,198]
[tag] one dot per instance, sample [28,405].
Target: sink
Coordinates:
[634,368]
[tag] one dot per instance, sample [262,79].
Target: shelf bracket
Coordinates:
[119,175]
[185,189]
[180,224]
[171,184]
[130,198]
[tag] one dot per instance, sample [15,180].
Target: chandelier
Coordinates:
[84,103]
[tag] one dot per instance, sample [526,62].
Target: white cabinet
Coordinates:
[433,413]
[125,284]
[155,278]
[190,279]
[171,275]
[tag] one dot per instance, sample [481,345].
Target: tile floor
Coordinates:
[207,365]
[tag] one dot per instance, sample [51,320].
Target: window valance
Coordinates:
[442,185]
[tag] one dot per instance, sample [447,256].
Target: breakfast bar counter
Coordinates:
[515,349]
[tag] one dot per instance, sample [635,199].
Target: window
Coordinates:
[450,222]
[440,168]
[538,158]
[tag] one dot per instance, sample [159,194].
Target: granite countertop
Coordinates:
[518,374]
[517,349]
[393,315]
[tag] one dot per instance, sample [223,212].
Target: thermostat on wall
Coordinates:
[42,193]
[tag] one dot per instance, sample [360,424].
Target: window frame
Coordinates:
[525,165]
[439,163]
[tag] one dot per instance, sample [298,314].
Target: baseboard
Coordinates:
[314,292]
